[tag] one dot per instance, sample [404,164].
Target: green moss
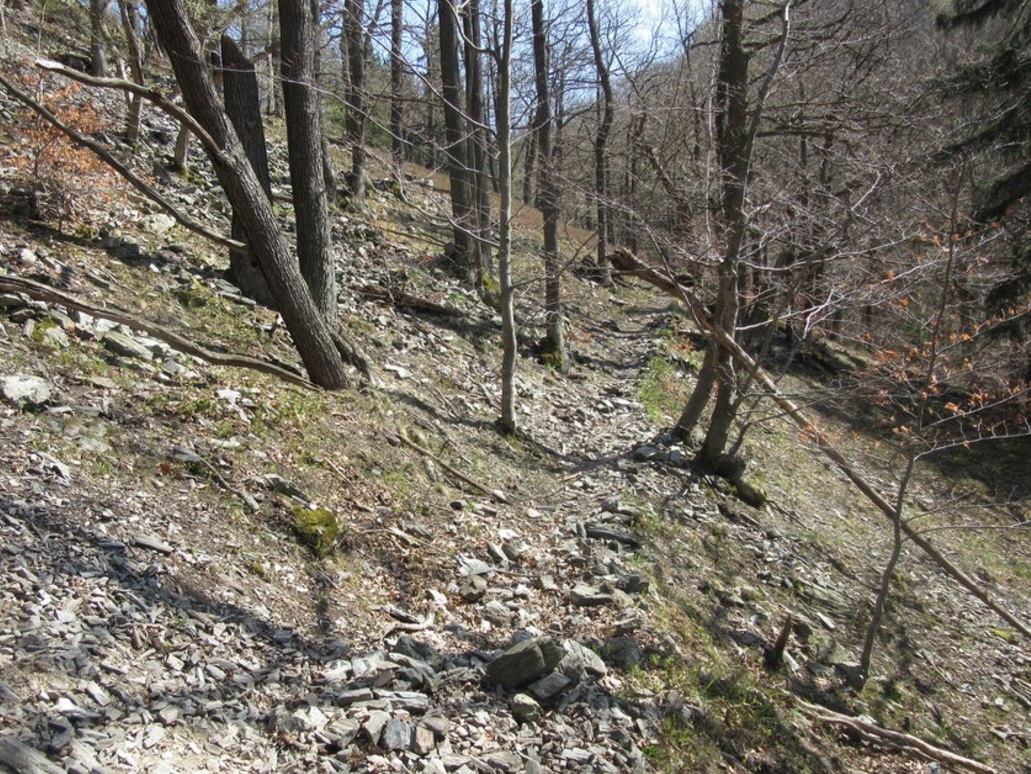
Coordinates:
[318,529]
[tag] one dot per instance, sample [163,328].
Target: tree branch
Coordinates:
[108,158]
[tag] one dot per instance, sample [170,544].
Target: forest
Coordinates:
[753,275]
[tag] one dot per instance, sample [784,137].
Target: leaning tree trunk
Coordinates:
[306,151]
[243,106]
[310,334]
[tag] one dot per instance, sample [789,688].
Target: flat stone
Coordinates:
[589,596]
[126,346]
[549,686]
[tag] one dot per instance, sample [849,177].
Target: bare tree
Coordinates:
[456,132]
[397,85]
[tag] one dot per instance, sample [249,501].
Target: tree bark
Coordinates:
[243,106]
[306,150]
[310,333]
[479,193]
[504,135]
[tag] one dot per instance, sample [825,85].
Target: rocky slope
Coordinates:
[206,568]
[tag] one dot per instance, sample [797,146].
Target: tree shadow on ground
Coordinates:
[143,655]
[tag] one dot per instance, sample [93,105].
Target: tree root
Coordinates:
[875,734]
[50,295]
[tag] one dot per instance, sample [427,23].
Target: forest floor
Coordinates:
[209,569]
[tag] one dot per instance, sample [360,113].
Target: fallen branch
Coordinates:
[497,494]
[876,734]
[409,301]
[625,262]
[50,295]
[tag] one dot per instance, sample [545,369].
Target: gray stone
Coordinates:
[579,660]
[397,735]
[126,346]
[25,391]
[13,300]
[524,662]
[423,741]
[497,613]
[473,588]
[646,452]
[635,583]
[439,725]
[342,731]
[623,652]
[549,686]
[588,596]
[373,726]
[525,708]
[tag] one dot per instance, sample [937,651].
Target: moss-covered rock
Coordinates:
[317,529]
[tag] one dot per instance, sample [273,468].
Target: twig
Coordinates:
[50,295]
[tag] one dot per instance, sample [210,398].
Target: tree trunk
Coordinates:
[601,139]
[354,17]
[130,25]
[477,152]
[243,106]
[310,333]
[98,44]
[731,127]
[455,132]
[554,347]
[307,163]
[397,97]
[504,135]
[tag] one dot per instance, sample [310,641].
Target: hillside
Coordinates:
[212,568]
